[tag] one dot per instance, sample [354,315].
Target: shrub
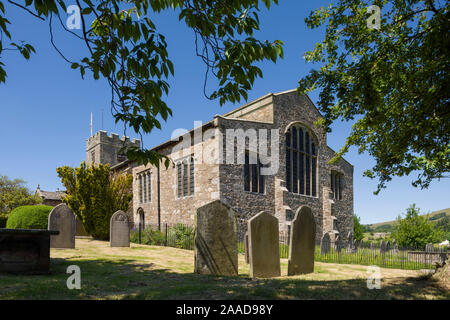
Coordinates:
[181,236]
[29,217]
[148,237]
[94,194]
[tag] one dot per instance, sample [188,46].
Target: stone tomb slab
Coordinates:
[216,240]
[302,244]
[264,248]
[119,235]
[25,251]
[62,219]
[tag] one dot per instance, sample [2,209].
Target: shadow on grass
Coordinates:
[131,279]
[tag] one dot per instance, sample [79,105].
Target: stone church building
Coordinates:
[226,158]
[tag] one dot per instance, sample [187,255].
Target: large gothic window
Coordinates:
[186,177]
[301,161]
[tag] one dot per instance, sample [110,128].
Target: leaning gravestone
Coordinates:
[263,244]
[382,247]
[216,240]
[119,234]
[247,259]
[325,244]
[62,219]
[302,242]
[338,244]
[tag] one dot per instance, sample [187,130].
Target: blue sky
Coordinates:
[46,106]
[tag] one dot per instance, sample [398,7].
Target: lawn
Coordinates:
[152,272]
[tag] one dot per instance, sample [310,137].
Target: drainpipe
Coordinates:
[159,200]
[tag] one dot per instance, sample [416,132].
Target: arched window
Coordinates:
[301,161]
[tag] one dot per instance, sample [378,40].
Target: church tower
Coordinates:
[104,149]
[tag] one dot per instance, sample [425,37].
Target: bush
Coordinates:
[29,217]
[148,237]
[181,236]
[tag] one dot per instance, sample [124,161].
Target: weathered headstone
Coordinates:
[388,246]
[383,247]
[246,254]
[62,219]
[302,242]
[325,244]
[216,240]
[263,244]
[338,244]
[119,235]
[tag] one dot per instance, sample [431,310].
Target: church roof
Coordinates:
[50,195]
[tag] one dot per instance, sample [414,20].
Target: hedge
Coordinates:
[29,217]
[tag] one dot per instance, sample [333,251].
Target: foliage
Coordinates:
[393,82]
[444,225]
[181,236]
[13,194]
[358,229]
[438,216]
[415,230]
[148,237]
[94,194]
[29,217]
[127,49]
[384,228]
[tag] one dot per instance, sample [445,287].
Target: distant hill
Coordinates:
[388,226]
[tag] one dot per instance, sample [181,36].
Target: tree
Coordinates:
[127,49]
[391,76]
[358,229]
[94,194]
[415,230]
[13,194]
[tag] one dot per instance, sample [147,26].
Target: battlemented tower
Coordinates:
[104,149]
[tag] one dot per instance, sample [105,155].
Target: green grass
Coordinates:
[150,272]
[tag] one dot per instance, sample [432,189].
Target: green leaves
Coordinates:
[126,49]
[391,80]
[94,194]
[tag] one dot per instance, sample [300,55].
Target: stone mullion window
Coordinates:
[185,179]
[253,180]
[179,180]
[288,161]
[301,162]
[140,189]
[145,187]
[149,181]
[337,185]
[191,177]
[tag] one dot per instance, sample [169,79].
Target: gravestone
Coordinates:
[62,219]
[246,255]
[429,247]
[338,244]
[382,247]
[325,244]
[302,242]
[263,244]
[361,244]
[119,234]
[216,240]
[388,246]
[371,246]
[355,245]
[395,248]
